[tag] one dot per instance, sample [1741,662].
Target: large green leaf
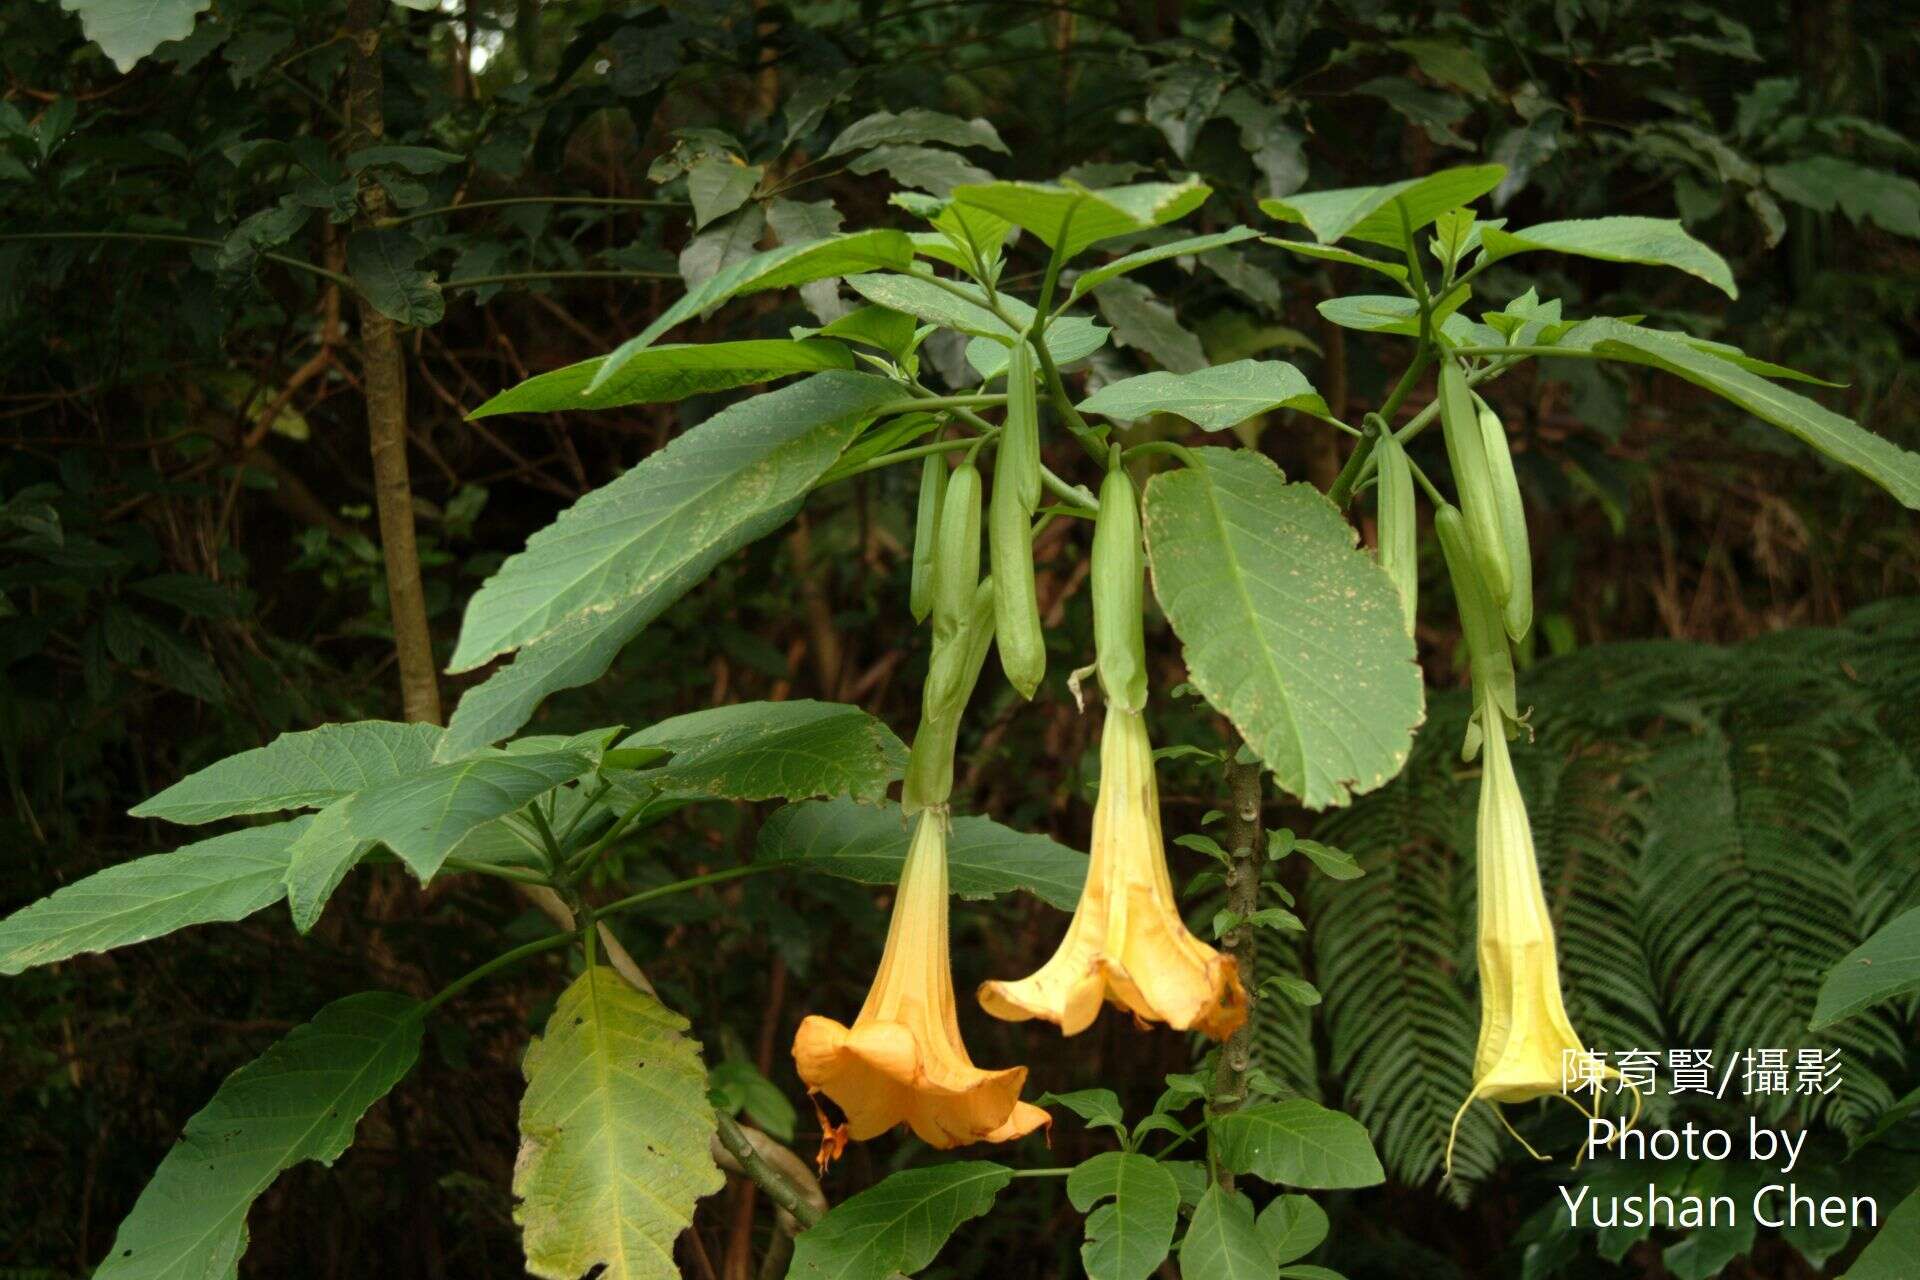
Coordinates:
[790,264]
[423,816]
[1660,242]
[868,843]
[1373,213]
[1327,253]
[382,262]
[1072,218]
[660,375]
[301,770]
[620,555]
[1212,399]
[1094,277]
[1293,1227]
[1884,966]
[1288,628]
[129,30]
[773,750]
[299,1101]
[1894,1254]
[226,878]
[615,1135]
[915,125]
[1297,1143]
[1881,461]
[1129,1238]
[899,1225]
[1069,338]
[1223,1242]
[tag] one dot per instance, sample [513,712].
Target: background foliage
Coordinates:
[188,561]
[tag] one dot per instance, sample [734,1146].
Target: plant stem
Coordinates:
[503,872]
[385,376]
[1043,1173]
[930,402]
[506,959]
[622,201]
[902,455]
[520,277]
[681,886]
[1245,855]
[779,1188]
[199,242]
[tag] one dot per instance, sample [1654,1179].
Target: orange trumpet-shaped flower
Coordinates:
[1526,1039]
[1127,942]
[902,1061]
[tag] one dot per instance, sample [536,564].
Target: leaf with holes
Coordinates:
[899,1225]
[300,1100]
[1288,628]
[615,1135]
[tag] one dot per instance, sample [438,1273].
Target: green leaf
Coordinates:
[1289,629]
[1845,441]
[1069,338]
[867,843]
[1369,213]
[1297,1143]
[661,375]
[741,1088]
[1223,1242]
[423,816]
[1142,321]
[718,184]
[1099,1108]
[1862,193]
[1883,967]
[1337,863]
[381,263]
[1659,242]
[615,1134]
[899,1225]
[913,126]
[627,550]
[1093,278]
[922,168]
[773,750]
[1894,1254]
[302,770]
[790,264]
[414,160]
[129,30]
[1449,62]
[1070,219]
[1128,1239]
[1293,1227]
[1214,399]
[1384,313]
[1328,253]
[226,878]
[300,1100]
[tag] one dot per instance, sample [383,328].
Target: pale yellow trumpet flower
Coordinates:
[1127,942]
[1526,1039]
[902,1060]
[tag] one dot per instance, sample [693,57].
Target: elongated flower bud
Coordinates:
[956,572]
[1019,459]
[926,535]
[951,675]
[1491,660]
[1467,452]
[1518,612]
[1399,524]
[1016,604]
[1119,594]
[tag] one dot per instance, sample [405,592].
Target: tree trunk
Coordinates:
[385,374]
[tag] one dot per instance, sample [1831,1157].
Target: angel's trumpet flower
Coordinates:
[902,1061]
[1527,1043]
[1127,942]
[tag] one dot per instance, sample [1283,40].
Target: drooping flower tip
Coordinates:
[902,1061]
[1127,944]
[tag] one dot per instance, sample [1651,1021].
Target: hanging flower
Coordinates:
[1526,1039]
[1127,942]
[902,1061]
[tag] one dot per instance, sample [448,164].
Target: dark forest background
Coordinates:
[190,564]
